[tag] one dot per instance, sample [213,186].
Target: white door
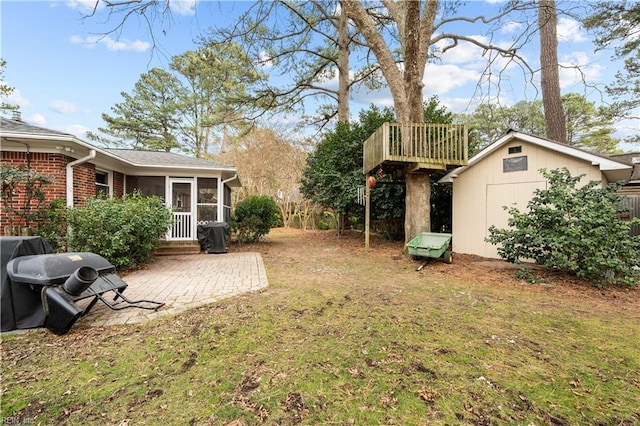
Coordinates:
[182,204]
[510,195]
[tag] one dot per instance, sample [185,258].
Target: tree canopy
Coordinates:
[587,126]
[195,106]
[617,24]
[310,51]
[149,116]
[5,90]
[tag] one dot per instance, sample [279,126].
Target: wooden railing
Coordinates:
[426,146]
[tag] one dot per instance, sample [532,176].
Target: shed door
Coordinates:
[510,195]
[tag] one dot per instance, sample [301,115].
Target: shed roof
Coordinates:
[614,170]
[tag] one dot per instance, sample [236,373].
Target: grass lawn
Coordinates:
[344,337]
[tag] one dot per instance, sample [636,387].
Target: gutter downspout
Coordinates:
[91,156]
[230,179]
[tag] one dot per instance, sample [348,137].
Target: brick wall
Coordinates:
[118,185]
[84,183]
[53,165]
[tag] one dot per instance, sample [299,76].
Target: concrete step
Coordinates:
[170,249]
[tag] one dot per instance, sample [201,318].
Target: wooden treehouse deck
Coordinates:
[416,146]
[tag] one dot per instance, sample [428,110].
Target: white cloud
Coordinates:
[83,5]
[458,104]
[569,30]
[183,7]
[464,52]
[577,67]
[366,97]
[36,120]
[440,79]
[266,61]
[111,44]
[510,27]
[63,107]
[75,129]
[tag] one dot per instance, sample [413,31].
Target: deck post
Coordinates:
[367,211]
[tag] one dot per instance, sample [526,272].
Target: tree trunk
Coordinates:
[550,80]
[418,184]
[412,69]
[343,67]
[405,84]
[417,205]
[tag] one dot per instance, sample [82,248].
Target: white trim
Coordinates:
[190,216]
[109,184]
[70,166]
[605,165]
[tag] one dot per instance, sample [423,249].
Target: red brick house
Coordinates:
[197,190]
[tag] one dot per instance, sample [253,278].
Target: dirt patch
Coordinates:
[291,246]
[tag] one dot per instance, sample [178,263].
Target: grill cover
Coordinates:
[20,306]
[213,237]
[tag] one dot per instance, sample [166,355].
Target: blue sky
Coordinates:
[66,72]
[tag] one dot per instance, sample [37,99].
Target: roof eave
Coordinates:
[611,168]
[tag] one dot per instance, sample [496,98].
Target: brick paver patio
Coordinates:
[183,282]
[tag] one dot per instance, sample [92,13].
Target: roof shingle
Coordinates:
[165,159]
[21,127]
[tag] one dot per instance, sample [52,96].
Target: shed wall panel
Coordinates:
[481,191]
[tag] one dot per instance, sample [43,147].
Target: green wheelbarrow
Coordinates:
[431,245]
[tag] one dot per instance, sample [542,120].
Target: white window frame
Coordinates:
[108,185]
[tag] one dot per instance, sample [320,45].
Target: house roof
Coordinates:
[614,170]
[164,159]
[129,159]
[633,159]
[23,128]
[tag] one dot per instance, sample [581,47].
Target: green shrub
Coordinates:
[254,217]
[52,224]
[124,231]
[323,225]
[573,229]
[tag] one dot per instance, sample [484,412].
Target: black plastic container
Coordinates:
[61,280]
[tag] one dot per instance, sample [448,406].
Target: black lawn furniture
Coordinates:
[49,286]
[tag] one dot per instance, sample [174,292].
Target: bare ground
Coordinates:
[300,246]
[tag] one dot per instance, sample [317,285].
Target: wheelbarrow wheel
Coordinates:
[448,257]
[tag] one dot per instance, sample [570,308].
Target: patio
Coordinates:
[183,282]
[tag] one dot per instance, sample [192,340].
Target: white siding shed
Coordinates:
[506,173]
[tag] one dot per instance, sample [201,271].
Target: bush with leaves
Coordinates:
[124,231]
[52,224]
[253,217]
[573,229]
